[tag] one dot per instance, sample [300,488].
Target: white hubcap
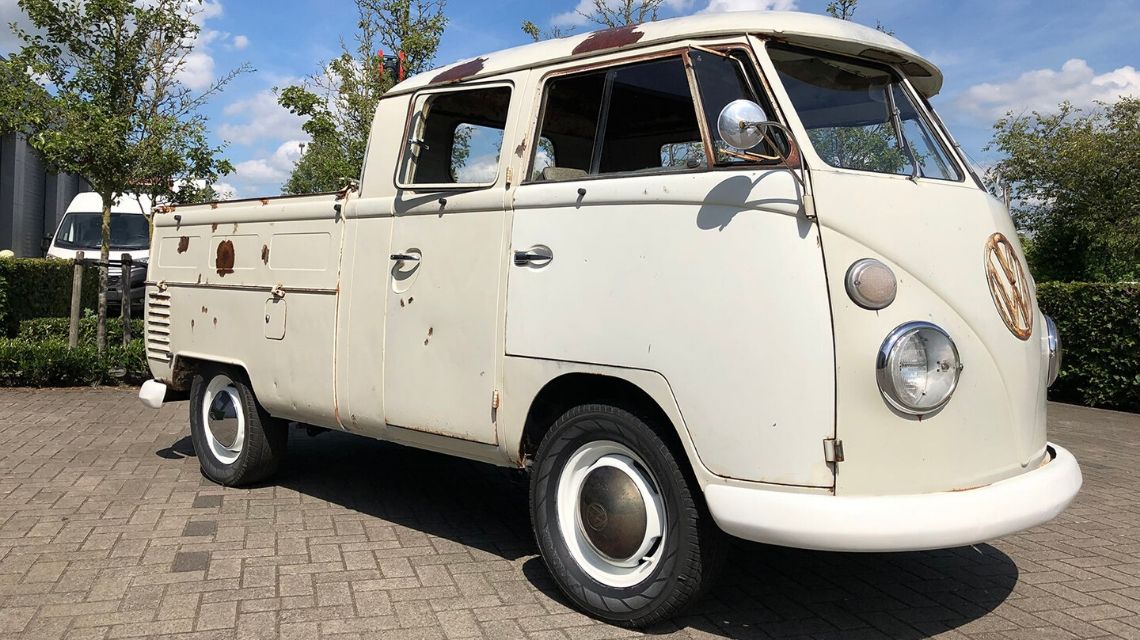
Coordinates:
[609,505]
[223,419]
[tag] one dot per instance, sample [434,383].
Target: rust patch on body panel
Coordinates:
[225,259]
[521,149]
[615,38]
[459,71]
[265,202]
[213,205]
[214,227]
[183,244]
[265,254]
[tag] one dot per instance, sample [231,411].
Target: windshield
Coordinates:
[129,231]
[858,116]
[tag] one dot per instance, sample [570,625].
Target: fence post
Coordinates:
[126,271]
[76,301]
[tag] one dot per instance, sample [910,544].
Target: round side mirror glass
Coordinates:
[741,124]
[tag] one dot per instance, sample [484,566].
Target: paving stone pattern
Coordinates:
[109,530]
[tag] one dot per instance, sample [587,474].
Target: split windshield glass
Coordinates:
[858,116]
[129,231]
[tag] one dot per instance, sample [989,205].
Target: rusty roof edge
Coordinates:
[809,30]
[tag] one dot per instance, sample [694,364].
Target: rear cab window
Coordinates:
[455,138]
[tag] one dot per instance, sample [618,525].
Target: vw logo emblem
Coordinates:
[1009,286]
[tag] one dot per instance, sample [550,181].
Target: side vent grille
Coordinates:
[158,326]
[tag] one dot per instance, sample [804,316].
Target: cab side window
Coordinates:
[723,78]
[635,118]
[456,137]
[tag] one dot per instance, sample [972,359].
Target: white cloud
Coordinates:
[225,190]
[239,42]
[197,70]
[260,118]
[1043,89]
[478,170]
[264,175]
[722,6]
[574,17]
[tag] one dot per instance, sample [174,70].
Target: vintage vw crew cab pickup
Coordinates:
[725,273]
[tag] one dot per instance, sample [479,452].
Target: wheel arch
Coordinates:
[552,388]
[571,389]
[186,365]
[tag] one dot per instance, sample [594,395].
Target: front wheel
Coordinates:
[236,441]
[620,525]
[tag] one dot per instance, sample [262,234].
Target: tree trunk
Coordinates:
[104,257]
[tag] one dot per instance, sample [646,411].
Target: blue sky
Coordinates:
[996,55]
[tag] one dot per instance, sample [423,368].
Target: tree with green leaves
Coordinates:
[339,102]
[1074,180]
[96,89]
[845,10]
[606,14]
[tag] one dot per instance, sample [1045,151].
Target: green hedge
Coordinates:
[1100,335]
[40,329]
[3,303]
[41,288]
[50,363]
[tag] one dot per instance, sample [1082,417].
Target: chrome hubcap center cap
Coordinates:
[613,513]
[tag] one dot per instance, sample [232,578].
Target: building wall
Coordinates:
[32,200]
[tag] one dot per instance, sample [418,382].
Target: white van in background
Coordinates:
[81,230]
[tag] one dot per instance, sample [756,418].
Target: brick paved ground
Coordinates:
[107,530]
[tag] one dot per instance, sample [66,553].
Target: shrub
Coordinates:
[3,302]
[41,288]
[40,329]
[50,363]
[1100,335]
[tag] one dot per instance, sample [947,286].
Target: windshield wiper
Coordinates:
[896,122]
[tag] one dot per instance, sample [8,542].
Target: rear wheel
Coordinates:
[619,523]
[237,442]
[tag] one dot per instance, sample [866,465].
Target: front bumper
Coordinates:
[899,523]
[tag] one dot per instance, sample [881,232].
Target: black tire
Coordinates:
[265,438]
[691,550]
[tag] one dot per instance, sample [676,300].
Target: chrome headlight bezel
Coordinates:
[1053,347]
[886,357]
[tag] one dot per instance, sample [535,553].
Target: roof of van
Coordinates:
[91,202]
[804,29]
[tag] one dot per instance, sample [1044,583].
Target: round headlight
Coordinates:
[918,368]
[1053,345]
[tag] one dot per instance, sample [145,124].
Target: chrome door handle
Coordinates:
[404,257]
[533,255]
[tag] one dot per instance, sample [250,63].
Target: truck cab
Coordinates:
[723,274]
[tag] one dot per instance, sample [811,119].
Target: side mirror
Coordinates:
[742,124]
[45,243]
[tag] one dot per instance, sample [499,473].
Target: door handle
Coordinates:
[404,257]
[537,254]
